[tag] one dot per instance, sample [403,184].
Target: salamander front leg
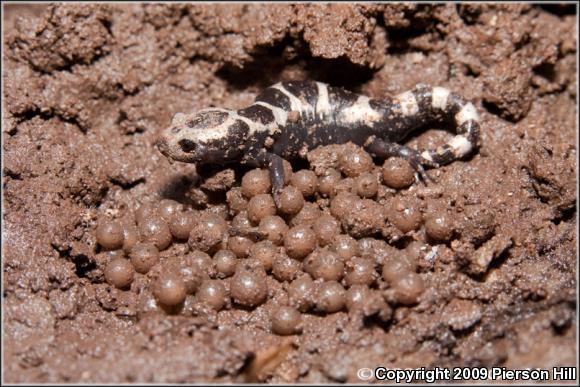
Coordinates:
[276,167]
[380,148]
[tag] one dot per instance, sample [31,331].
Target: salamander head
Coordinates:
[208,136]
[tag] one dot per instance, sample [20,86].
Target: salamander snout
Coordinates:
[161,144]
[178,148]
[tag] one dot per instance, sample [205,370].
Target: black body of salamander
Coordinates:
[289,118]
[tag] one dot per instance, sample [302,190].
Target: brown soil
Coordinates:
[88,88]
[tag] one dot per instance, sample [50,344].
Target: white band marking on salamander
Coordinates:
[221,131]
[323,103]
[461,145]
[408,103]
[280,115]
[295,103]
[468,112]
[439,98]
[427,155]
[360,111]
[210,134]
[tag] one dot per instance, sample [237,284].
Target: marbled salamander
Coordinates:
[289,118]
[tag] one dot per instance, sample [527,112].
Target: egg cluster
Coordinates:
[324,242]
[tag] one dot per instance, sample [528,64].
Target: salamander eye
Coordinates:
[187,146]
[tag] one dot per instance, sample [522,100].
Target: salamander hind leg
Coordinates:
[383,149]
